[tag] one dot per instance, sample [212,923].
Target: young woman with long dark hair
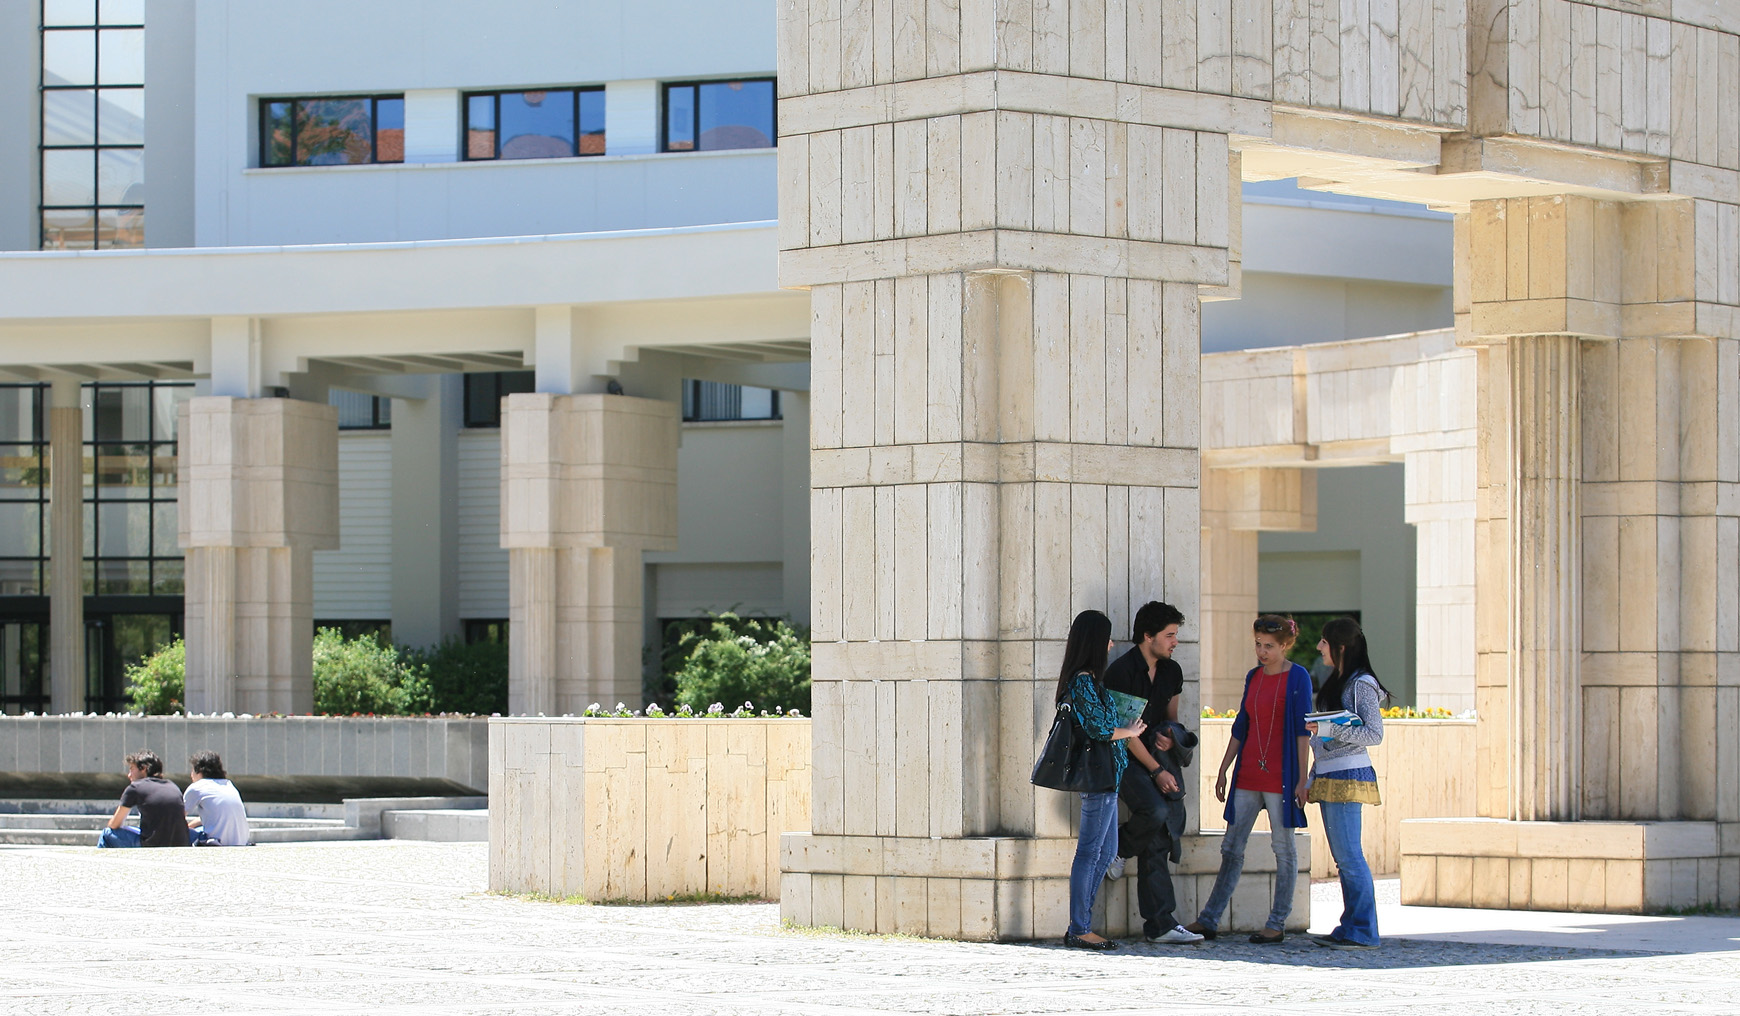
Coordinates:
[1081,682]
[1268,758]
[1342,778]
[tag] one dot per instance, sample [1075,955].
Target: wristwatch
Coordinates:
[1154,772]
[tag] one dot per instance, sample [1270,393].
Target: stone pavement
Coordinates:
[382,928]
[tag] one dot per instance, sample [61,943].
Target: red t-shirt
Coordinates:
[1266,703]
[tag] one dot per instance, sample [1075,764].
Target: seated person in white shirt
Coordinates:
[216,816]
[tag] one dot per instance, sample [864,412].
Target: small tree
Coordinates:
[157,685]
[463,677]
[733,660]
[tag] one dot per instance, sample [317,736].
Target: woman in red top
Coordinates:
[1269,756]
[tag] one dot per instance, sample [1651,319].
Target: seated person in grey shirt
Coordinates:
[216,816]
[162,821]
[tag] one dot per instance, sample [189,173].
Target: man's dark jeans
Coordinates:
[1145,838]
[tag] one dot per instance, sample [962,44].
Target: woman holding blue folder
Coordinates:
[1342,775]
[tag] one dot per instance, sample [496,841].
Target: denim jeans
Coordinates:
[1095,847]
[1246,804]
[126,836]
[1341,822]
[1146,838]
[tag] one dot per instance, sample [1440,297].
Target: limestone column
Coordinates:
[66,527]
[589,483]
[1609,377]
[1237,505]
[259,494]
[1004,276]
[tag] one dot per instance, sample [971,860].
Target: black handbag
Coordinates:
[1073,761]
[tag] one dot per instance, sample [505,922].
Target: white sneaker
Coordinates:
[1115,870]
[1177,936]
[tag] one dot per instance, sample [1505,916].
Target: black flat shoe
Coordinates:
[1073,942]
[1208,934]
[1258,938]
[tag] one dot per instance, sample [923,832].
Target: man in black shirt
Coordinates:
[162,817]
[1148,671]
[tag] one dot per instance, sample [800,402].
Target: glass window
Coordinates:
[69,57]
[713,400]
[121,116]
[546,124]
[340,131]
[20,529]
[484,392]
[480,127]
[131,544]
[717,115]
[69,12]
[357,411]
[69,117]
[93,165]
[121,56]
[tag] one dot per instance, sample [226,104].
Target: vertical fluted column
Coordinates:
[1546,581]
[66,594]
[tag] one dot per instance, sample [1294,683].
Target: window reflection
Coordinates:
[719,115]
[92,139]
[338,131]
[542,124]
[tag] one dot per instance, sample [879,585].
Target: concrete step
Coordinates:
[95,822]
[256,809]
[444,825]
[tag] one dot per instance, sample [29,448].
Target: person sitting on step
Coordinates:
[216,816]
[162,819]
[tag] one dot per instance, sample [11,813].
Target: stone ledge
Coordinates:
[1613,867]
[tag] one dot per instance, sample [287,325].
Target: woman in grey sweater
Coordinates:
[1342,777]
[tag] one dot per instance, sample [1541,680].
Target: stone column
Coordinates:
[66,527]
[1237,505]
[1004,272]
[589,483]
[259,495]
[1606,564]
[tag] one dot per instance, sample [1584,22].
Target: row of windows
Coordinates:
[551,123]
[129,489]
[702,400]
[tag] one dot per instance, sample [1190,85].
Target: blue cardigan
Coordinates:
[1299,693]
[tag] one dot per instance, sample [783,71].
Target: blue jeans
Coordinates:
[128,836]
[1246,804]
[1095,847]
[1341,821]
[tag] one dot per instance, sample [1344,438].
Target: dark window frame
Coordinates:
[96,206]
[374,101]
[495,94]
[380,414]
[38,443]
[695,126]
[694,400]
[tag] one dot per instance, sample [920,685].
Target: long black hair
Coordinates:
[1085,651]
[1348,653]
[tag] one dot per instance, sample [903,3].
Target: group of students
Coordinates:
[209,813]
[1279,761]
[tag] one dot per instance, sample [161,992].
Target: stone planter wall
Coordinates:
[283,750]
[1425,769]
[639,809]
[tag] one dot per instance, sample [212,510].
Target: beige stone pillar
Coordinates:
[66,527]
[259,494]
[1607,596]
[1004,263]
[589,483]
[1237,505]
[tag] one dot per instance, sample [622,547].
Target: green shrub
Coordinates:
[731,660]
[364,676]
[461,677]
[157,684]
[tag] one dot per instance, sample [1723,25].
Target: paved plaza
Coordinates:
[395,927]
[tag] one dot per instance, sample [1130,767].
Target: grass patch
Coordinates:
[574,900]
[791,927]
[674,899]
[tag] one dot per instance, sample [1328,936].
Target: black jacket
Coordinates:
[1170,822]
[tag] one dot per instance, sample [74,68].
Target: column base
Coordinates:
[1604,867]
[1004,888]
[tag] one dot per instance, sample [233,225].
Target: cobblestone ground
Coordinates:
[385,928]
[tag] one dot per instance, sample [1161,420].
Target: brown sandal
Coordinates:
[1266,937]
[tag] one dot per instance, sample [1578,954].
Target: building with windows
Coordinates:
[504,202]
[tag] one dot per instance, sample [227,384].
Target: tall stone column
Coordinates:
[1004,261]
[1608,764]
[1237,505]
[589,483]
[259,495]
[66,527]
